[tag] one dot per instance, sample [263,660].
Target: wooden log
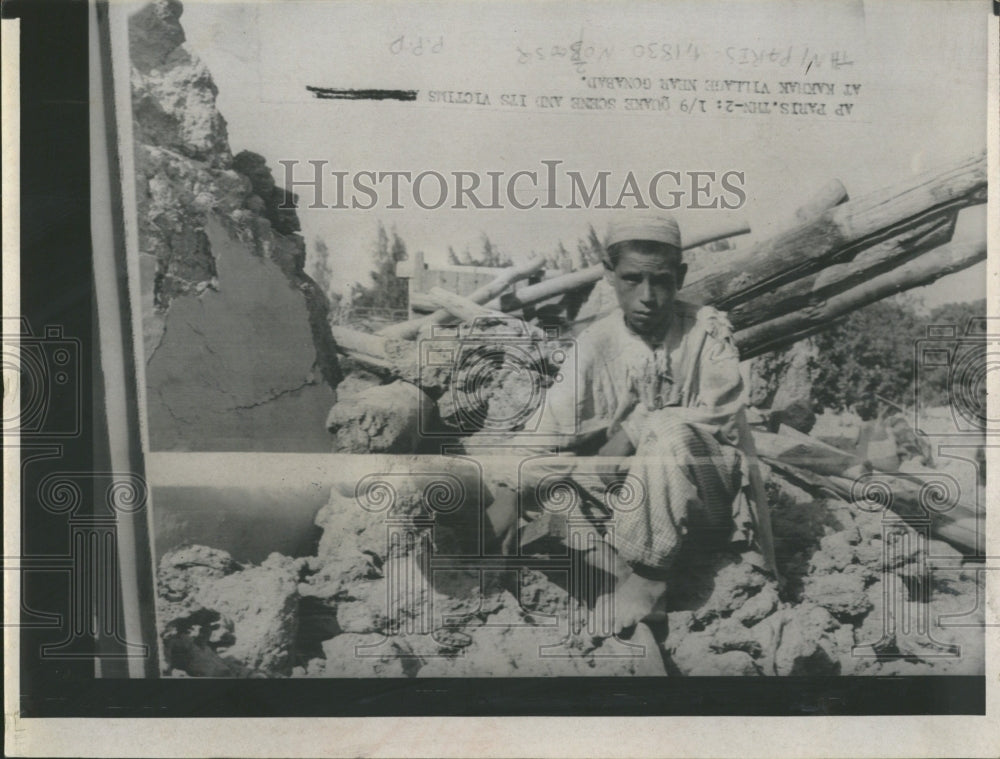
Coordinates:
[815,288]
[805,479]
[963,534]
[960,510]
[410,329]
[793,447]
[425,303]
[555,286]
[839,233]
[913,215]
[397,358]
[958,530]
[363,347]
[718,230]
[371,350]
[388,357]
[832,194]
[421,303]
[548,288]
[792,327]
[908,501]
[463,309]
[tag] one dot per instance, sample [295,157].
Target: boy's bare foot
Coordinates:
[636,599]
[502,522]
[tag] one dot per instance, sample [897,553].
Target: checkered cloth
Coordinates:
[680,479]
[691,483]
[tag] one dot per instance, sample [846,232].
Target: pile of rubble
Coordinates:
[490,374]
[862,593]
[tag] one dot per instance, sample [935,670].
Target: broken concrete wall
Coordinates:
[238,350]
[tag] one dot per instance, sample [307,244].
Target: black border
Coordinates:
[56,289]
[56,277]
[510,697]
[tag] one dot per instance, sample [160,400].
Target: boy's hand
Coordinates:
[619,444]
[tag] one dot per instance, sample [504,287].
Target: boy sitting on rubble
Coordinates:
[662,377]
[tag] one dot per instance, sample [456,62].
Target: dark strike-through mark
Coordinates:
[333,93]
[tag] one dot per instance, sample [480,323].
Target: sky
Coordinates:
[922,67]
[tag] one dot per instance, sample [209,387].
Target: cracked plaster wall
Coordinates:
[234,366]
[238,350]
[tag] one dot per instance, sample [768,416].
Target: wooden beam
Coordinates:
[815,288]
[959,530]
[365,348]
[839,234]
[793,447]
[791,327]
[830,195]
[555,286]
[463,309]
[421,303]
[410,329]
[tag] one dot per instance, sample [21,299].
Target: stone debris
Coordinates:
[486,376]
[217,617]
[380,419]
[367,605]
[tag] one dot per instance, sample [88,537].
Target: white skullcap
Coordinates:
[644,226]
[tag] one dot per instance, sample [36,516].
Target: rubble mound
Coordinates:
[219,618]
[489,375]
[400,614]
[388,594]
[391,590]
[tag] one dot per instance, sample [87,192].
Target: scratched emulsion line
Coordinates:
[332,93]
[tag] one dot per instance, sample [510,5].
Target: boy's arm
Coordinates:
[716,392]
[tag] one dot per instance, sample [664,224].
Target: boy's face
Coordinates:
[646,280]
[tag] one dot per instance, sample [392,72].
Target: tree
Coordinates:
[491,255]
[958,314]
[387,290]
[591,247]
[564,261]
[589,252]
[877,351]
[322,271]
[868,352]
